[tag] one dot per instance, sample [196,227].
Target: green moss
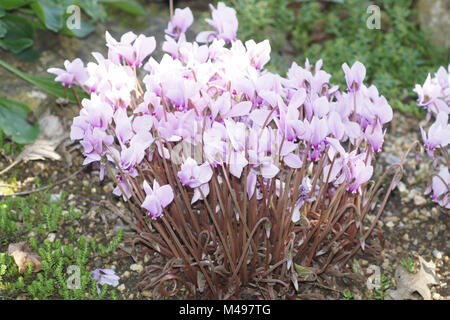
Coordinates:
[36,213]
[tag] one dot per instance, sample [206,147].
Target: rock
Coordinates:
[419,200]
[391,159]
[436,296]
[55,197]
[437,254]
[136,267]
[434,16]
[402,188]
[121,288]
[126,274]
[51,237]
[147,294]
[390,224]
[405,237]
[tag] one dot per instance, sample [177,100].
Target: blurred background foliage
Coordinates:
[396,57]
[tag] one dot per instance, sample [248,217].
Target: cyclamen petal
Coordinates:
[157,198]
[181,21]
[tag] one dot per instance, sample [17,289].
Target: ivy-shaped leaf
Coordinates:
[14,123]
[14,4]
[50,12]
[19,33]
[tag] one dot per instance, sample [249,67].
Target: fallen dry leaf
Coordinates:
[52,134]
[408,283]
[23,255]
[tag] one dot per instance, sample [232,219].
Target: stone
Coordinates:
[419,200]
[390,224]
[436,296]
[51,237]
[147,294]
[136,267]
[121,288]
[434,16]
[437,254]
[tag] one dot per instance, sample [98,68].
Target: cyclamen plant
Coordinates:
[434,96]
[238,176]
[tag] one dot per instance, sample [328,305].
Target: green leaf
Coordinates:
[19,33]
[127,6]
[14,4]
[3,29]
[92,8]
[2,11]
[13,121]
[16,45]
[47,84]
[28,55]
[51,13]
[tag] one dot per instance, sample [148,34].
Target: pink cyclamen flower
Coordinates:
[440,186]
[438,134]
[196,176]
[156,198]
[358,173]
[75,73]
[181,21]
[375,136]
[134,49]
[259,53]
[224,21]
[354,76]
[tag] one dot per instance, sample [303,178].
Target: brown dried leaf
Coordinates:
[23,255]
[408,283]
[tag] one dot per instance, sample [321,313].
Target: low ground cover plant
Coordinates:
[239,177]
[29,221]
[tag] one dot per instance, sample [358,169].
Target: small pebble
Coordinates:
[136,267]
[437,254]
[51,237]
[126,274]
[405,237]
[419,200]
[147,294]
[390,224]
[121,288]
